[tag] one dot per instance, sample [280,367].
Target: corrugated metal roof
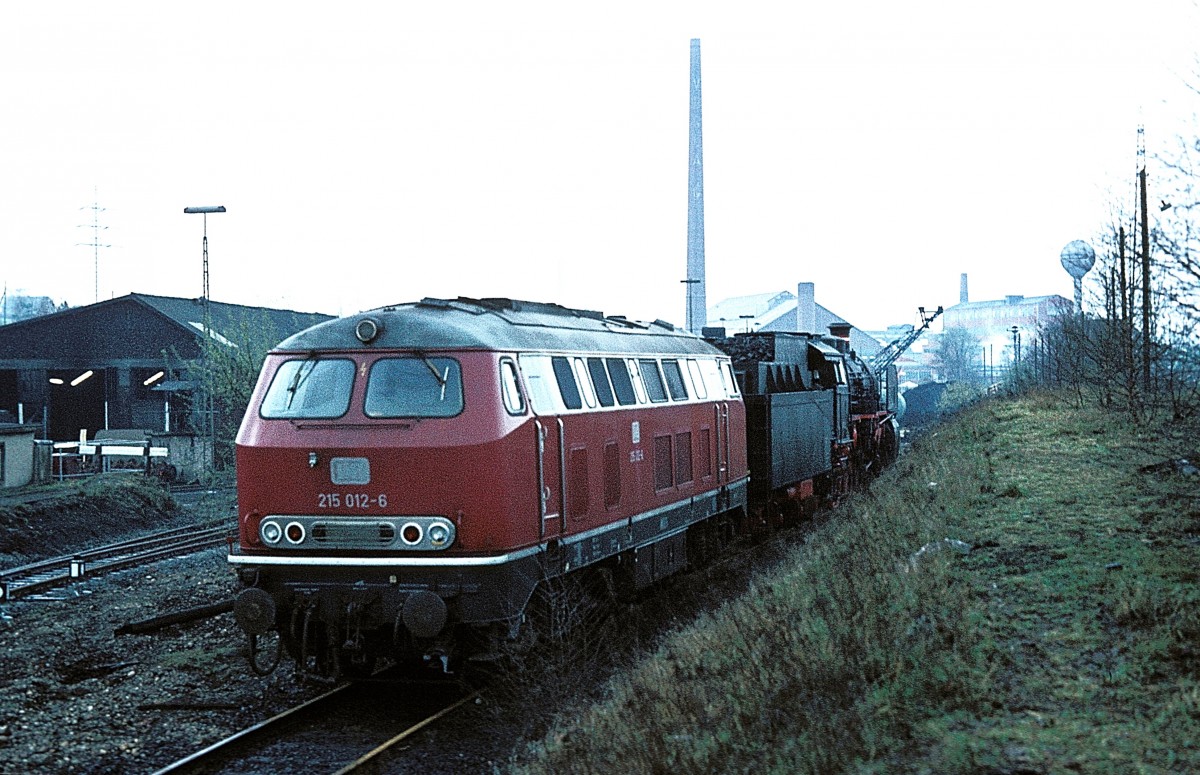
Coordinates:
[232,322]
[140,326]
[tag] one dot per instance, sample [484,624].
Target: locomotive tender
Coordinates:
[411,478]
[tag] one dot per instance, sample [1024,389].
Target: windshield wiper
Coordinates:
[442,378]
[300,376]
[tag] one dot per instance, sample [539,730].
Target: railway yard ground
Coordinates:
[1017,595]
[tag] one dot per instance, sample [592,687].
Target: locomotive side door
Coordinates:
[551,475]
[722,425]
[730,387]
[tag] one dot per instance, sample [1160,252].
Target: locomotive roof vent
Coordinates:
[367,330]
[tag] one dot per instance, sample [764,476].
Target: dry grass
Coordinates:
[1066,640]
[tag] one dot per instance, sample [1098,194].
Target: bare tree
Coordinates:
[957,350]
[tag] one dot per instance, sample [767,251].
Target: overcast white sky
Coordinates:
[379,153]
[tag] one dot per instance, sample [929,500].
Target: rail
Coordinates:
[289,735]
[33,580]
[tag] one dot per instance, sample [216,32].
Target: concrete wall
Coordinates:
[16,450]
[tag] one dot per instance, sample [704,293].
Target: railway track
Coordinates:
[36,581]
[339,731]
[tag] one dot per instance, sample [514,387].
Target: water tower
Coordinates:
[1078,258]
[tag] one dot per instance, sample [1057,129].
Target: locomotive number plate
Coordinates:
[351,500]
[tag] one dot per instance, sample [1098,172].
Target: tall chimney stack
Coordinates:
[697,307]
[806,308]
[962,289]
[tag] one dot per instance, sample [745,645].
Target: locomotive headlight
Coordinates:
[438,534]
[411,533]
[271,532]
[294,532]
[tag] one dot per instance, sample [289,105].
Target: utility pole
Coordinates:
[95,243]
[1145,263]
[210,408]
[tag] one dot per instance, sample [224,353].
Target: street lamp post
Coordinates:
[210,419]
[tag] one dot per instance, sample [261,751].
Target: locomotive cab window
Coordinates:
[309,388]
[510,387]
[541,381]
[731,385]
[414,387]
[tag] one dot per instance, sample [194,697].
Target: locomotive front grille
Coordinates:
[346,533]
[387,533]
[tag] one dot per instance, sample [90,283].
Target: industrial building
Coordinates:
[122,363]
[785,311]
[1002,326]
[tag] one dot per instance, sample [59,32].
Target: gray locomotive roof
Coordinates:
[497,324]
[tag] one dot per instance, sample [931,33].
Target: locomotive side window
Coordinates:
[604,393]
[621,382]
[566,382]
[710,374]
[585,383]
[510,387]
[697,379]
[731,386]
[652,380]
[638,386]
[309,389]
[414,387]
[674,380]
[539,378]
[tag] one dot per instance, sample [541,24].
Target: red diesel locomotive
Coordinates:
[410,477]
[414,482]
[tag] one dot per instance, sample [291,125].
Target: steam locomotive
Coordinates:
[416,482]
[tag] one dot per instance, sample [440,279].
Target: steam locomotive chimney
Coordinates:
[697,308]
[841,332]
[962,289]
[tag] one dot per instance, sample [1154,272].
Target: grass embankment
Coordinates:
[1064,641]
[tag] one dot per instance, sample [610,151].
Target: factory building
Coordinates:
[121,363]
[785,311]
